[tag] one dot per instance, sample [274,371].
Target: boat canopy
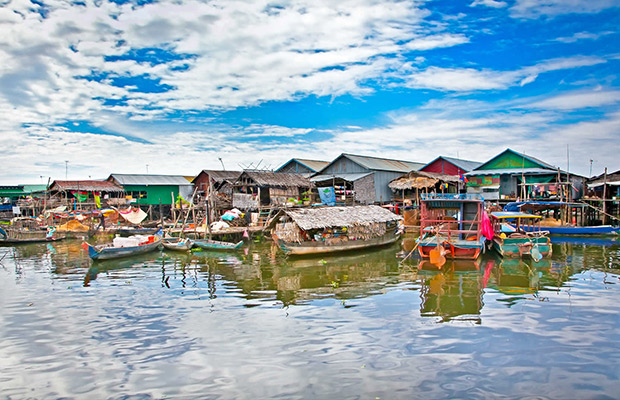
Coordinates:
[539,205]
[513,214]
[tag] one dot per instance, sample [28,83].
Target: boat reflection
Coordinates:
[453,291]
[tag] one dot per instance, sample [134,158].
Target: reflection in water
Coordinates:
[255,324]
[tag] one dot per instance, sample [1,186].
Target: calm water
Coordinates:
[255,325]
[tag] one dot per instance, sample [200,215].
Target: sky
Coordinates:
[90,88]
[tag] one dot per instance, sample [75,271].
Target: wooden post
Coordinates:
[605,197]
[172,210]
[161,214]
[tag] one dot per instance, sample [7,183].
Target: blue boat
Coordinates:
[565,229]
[126,249]
[207,244]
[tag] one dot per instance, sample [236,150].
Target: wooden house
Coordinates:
[85,194]
[362,179]
[302,166]
[22,200]
[218,182]
[256,190]
[511,175]
[604,195]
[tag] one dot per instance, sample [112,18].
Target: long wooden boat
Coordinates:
[110,251]
[451,224]
[314,247]
[17,236]
[321,230]
[207,244]
[518,234]
[178,244]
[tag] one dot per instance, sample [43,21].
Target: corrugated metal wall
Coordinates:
[382,178]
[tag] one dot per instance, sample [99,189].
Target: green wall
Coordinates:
[153,193]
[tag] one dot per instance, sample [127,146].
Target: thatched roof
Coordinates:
[267,178]
[420,180]
[87,186]
[327,217]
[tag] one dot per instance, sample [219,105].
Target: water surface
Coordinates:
[254,324]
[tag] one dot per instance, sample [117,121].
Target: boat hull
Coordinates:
[178,245]
[522,246]
[459,249]
[108,253]
[310,248]
[206,244]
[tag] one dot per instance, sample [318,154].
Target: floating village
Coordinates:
[460,208]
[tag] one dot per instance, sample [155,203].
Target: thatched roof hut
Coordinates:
[421,180]
[328,217]
[87,186]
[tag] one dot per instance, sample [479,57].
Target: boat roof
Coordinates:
[347,216]
[539,205]
[514,214]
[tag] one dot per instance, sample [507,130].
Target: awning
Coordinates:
[599,184]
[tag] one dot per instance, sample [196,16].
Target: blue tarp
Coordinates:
[328,196]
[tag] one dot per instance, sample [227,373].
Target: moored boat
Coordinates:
[518,234]
[451,226]
[27,231]
[123,247]
[207,244]
[308,231]
[177,244]
[560,226]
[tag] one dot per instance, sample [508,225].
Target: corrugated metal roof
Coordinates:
[346,177]
[466,165]
[384,164]
[220,175]
[513,171]
[327,217]
[89,186]
[314,165]
[268,178]
[131,179]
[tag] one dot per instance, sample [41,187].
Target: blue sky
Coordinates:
[88,88]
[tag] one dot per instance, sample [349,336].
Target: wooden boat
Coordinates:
[177,244]
[511,239]
[207,244]
[309,231]
[555,227]
[451,224]
[16,236]
[123,248]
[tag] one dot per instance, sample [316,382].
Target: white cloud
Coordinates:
[436,41]
[582,36]
[489,3]
[470,79]
[531,9]
[579,100]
